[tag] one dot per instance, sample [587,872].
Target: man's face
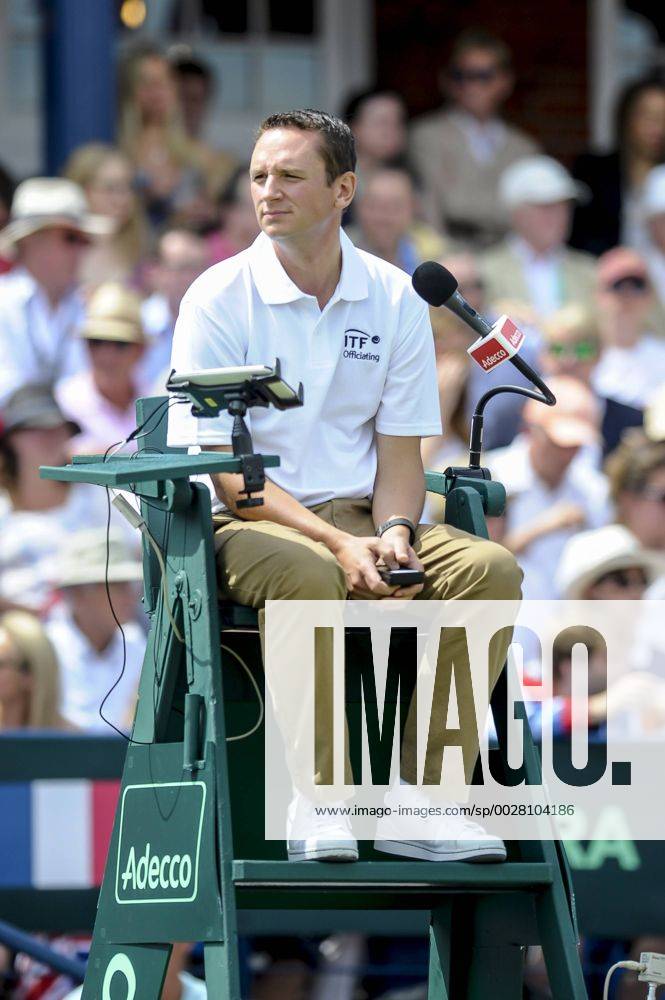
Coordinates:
[56,250]
[182,258]
[478,84]
[114,358]
[89,603]
[385,210]
[570,352]
[543,227]
[549,459]
[290,190]
[627,300]
[35,446]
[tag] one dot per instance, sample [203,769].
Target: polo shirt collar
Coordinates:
[275,287]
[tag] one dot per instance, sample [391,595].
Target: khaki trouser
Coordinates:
[260,561]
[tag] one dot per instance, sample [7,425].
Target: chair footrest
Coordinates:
[392,875]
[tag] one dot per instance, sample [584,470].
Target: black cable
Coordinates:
[138,432]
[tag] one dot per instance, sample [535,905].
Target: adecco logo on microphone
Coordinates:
[160,842]
[502,343]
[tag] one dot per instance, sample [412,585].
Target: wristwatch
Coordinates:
[398,520]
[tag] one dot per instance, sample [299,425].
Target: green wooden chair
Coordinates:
[188,860]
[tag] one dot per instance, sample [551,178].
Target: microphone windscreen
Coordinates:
[434,283]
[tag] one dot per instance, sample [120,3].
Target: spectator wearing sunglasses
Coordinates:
[461,151]
[572,347]
[571,343]
[631,368]
[40,305]
[101,399]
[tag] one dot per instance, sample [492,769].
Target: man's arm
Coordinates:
[399,487]
[399,491]
[278,506]
[357,556]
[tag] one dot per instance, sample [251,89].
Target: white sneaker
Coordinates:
[456,838]
[313,836]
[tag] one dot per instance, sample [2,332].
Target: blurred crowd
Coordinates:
[94,264]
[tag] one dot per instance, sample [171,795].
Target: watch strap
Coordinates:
[392,522]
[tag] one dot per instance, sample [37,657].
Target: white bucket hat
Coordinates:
[83,559]
[539,180]
[591,554]
[43,202]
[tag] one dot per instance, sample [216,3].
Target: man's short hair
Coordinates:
[479,38]
[337,147]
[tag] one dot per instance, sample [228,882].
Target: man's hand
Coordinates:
[396,553]
[361,559]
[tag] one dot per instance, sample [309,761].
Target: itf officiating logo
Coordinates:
[355,345]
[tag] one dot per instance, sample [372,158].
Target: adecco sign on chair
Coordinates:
[158,862]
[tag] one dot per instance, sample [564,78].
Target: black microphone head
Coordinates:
[434,283]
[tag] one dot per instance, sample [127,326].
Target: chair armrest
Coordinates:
[435,482]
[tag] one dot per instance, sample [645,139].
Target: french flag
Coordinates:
[55,834]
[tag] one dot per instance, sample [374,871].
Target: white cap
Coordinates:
[42,202]
[538,180]
[591,554]
[653,193]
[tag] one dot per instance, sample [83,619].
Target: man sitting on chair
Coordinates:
[350,488]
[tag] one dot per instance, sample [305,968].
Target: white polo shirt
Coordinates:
[366,362]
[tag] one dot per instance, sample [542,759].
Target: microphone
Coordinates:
[438,287]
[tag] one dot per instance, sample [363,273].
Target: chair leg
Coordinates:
[439,952]
[557,940]
[497,973]
[221,971]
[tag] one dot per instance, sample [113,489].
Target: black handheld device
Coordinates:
[402,577]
